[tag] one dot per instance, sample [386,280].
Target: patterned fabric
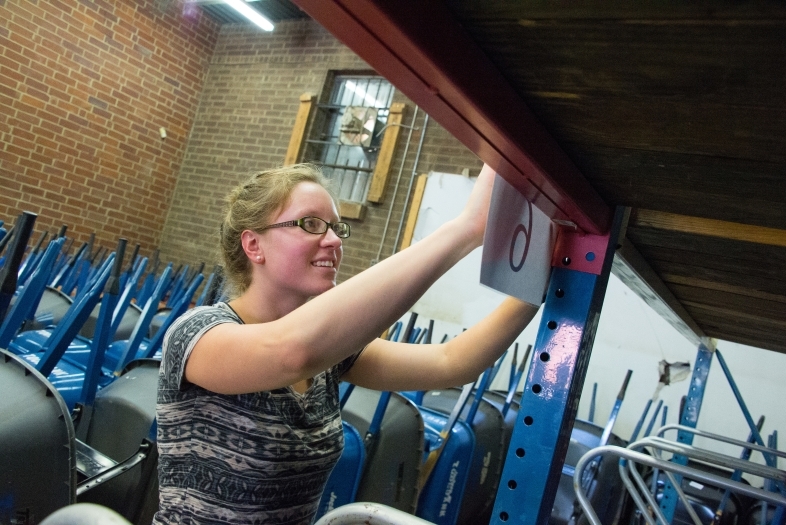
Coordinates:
[255,458]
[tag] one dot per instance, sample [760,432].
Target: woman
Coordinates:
[248,420]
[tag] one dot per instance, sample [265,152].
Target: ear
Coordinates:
[252,246]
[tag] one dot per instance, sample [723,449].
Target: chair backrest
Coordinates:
[342,485]
[76,316]
[488,426]
[441,497]
[38,467]
[177,310]
[390,476]
[123,416]
[9,270]
[26,301]
[141,328]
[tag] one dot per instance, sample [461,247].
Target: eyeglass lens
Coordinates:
[317,225]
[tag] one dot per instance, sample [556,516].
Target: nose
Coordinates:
[331,239]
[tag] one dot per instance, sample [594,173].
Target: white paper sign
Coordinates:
[517,246]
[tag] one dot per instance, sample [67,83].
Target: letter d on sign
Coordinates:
[517,246]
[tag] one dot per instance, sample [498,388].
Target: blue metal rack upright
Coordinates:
[688,418]
[549,402]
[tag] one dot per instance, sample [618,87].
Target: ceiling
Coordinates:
[674,109]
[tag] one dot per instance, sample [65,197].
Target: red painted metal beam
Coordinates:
[421,49]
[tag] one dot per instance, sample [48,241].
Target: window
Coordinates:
[347,132]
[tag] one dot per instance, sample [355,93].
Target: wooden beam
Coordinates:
[298,137]
[710,227]
[736,318]
[633,270]
[448,75]
[379,179]
[719,328]
[414,209]
[351,210]
[691,295]
[722,287]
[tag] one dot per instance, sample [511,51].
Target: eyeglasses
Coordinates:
[316,226]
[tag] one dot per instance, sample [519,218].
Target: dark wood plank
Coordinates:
[661,84]
[743,253]
[743,280]
[664,260]
[722,287]
[735,190]
[691,295]
[737,317]
[732,328]
[754,341]
[731,130]
[635,53]
[483,10]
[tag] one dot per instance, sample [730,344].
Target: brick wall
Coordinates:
[244,122]
[84,88]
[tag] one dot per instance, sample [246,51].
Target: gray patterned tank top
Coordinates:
[260,458]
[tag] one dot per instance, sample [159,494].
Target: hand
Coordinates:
[475,212]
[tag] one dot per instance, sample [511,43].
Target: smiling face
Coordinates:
[299,264]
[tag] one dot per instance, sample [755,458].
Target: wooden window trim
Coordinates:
[414,211]
[298,137]
[379,179]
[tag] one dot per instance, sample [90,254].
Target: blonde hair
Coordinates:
[250,206]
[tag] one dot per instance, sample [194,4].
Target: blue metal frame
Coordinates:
[688,418]
[768,458]
[550,397]
[737,474]
[103,330]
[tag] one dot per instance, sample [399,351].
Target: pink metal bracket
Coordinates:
[579,251]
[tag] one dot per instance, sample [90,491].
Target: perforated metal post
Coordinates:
[550,397]
[688,418]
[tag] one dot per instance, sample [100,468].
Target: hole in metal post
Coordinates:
[545,356]
[536,388]
[520,452]
[552,325]
[503,516]
[566,261]
[512,484]
[560,293]
[528,420]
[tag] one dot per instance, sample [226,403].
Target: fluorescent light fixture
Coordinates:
[252,14]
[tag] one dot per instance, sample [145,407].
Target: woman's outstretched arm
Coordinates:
[387,365]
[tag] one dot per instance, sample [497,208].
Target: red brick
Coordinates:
[72,45]
[28,100]
[64,79]
[14,56]
[9,157]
